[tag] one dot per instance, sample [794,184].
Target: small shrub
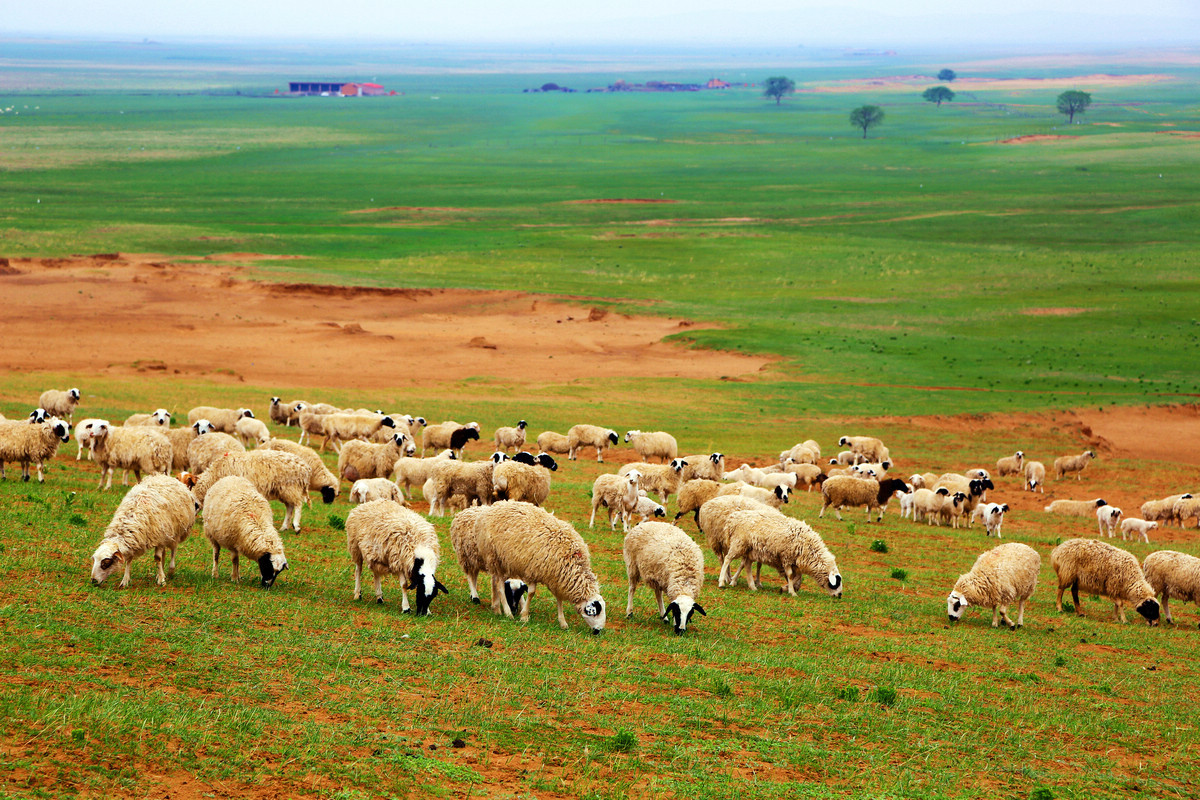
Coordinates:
[879,546]
[851,528]
[849,694]
[623,741]
[337,523]
[77,520]
[884,695]
[900,574]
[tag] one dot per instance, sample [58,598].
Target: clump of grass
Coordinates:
[879,546]
[338,523]
[851,528]
[721,688]
[77,520]
[623,741]
[1041,793]
[884,695]
[900,574]
[849,694]
[1060,661]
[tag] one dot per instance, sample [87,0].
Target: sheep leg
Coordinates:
[562,619]
[662,609]
[592,521]
[357,579]
[216,558]
[1119,613]
[1058,600]
[472,577]
[160,577]
[171,568]
[629,605]
[296,518]
[1166,609]
[787,573]
[404,598]
[1075,598]
[1021,613]
[1004,617]
[287,518]
[125,579]
[39,473]
[723,578]
[378,587]
[237,570]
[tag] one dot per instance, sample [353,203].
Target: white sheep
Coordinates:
[1137,528]
[1108,517]
[870,447]
[1162,510]
[142,450]
[1075,508]
[923,480]
[551,442]
[277,475]
[653,444]
[411,473]
[927,504]
[713,521]
[668,561]
[347,427]
[617,493]
[252,431]
[710,467]
[507,438]
[449,435]
[460,482]
[203,450]
[771,497]
[359,459]
[807,475]
[238,518]
[180,438]
[83,436]
[1001,576]
[789,545]
[1035,476]
[1065,465]
[60,403]
[581,436]
[514,480]
[663,480]
[1186,508]
[285,413]
[747,474]
[390,538]
[365,490]
[1097,567]
[647,509]
[992,515]
[159,419]
[1173,574]
[221,419]
[322,479]
[1011,465]
[312,423]
[27,443]
[849,458]
[806,452]
[954,508]
[693,494]
[157,514]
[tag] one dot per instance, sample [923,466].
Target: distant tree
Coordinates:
[938,94]
[777,87]
[866,116]
[1072,103]
[551,87]
[947,75]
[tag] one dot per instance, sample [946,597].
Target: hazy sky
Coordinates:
[769,22]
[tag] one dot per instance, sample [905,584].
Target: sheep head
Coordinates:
[680,611]
[955,604]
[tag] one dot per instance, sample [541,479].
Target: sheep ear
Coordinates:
[835,580]
[437,585]
[700,608]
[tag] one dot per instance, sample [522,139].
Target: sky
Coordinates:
[877,23]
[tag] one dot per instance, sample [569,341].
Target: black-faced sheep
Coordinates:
[1173,574]
[60,403]
[31,444]
[1001,576]
[390,538]
[668,561]
[1099,568]
[238,518]
[580,436]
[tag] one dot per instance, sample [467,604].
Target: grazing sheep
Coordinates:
[845,490]
[927,504]
[978,473]
[465,482]
[348,427]
[789,545]
[1173,574]
[771,497]
[868,446]
[157,514]
[1065,465]
[695,493]
[514,438]
[1035,476]
[277,475]
[849,458]
[312,424]
[285,413]
[647,509]
[159,419]
[1075,508]
[580,436]
[27,443]
[83,436]
[527,543]
[992,515]
[713,521]
[666,560]
[59,403]
[1138,528]
[449,435]
[806,452]
[366,460]
[663,480]
[617,493]
[390,538]
[1001,576]
[807,475]
[551,442]
[1108,517]
[142,450]
[653,444]
[1186,508]
[1162,510]
[238,518]
[181,438]
[411,473]
[223,420]
[515,480]
[710,467]
[367,489]
[1099,568]
[321,479]
[250,430]
[1011,465]
[203,450]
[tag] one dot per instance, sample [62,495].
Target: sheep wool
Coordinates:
[1097,567]
[368,460]
[221,419]
[551,442]
[203,450]
[28,444]
[515,481]
[1065,465]
[391,539]
[581,436]
[277,475]
[709,467]
[238,518]
[157,514]
[365,490]
[1075,508]
[411,473]
[465,482]
[667,560]
[159,419]
[617,494]
[346,427]
[662,480]
[695,493]
[1004,575]
[252,431]
[789,545]
[180,438]
[142,450]
[60,403]
[1035,476]
[321,479]
[713,520]
[869,447]
[1173,574]
[653,444]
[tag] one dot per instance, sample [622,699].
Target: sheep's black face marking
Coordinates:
[522,424]
[716,458]
[513,596]
[612,437]
[1149,609]
[592,609]
[525,458]
[548,462]
[268,571]
[327,494]
[659,512]
[388,422]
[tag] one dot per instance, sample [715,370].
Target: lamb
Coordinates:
[392,539]
[1011,465]
[1139,528]
[366,460]
[138,449]
[1173,574]
[449,435]
[1075,508]
[1035,476]
[849,458]
[514,480]
[60,403]
[203,450]
[25,443]
[788,545]
[180,438]
[157,514]
[663,480]
[1064,465]
[617,493]
[285,413]
[83,436]
[159,419]
[527,543]
[238,518]
[367,489]
[1001,576]
[321,480]
[514,438]
[251,430]
[927,504]
[1162,510]
[277,475]
[1099,568]
[710,467]
[655,444]
[845,490]
[580,436]
[551,442]
[647,509]
[992,515]
[923,480]
[713,521]
[953,508]
[413,472]
[868,446]
[666,560]
[1108,517]
[693,494]
[468,482]
[974,490]
[223,420]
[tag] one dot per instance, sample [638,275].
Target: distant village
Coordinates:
[648,86]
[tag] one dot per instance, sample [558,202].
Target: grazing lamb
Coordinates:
[551,442]
[142,450]
[367,460]
[953,509]
[789,545]
[992,515]
[647,509]
[449,435]
[1173,574]
[1011,465]
[654,444]
[159,419]
[365,490]
[412,473]
[390,538]
[1001,576]
[83,436]
[845,490]
[1065,465]
[157,514]
[663,480]
[223,420]
[1138,528]
[203,450]
[1108,517]
[1035,476]
[617,493]
[60,403]
[31,443]
[252,431]
[515,480]
[507,438]
[667,560]
[238,518]
[710,467]
[1099,568]
[1075,508]
[580,436]
[868,446]
[277,475]
[321,479]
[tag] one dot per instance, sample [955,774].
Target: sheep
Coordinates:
[693,494]
[714,517]
[238,518]
[138,449]
[974,490]
[1184,509]
[1035,476]
[1011,465]
[321,479]
[449,435]
[157,514]
[514,480]
[849,458]
[366,460]
[346,427]
[647,509]
[551,442]
[1064,465]
[868,446]
[923,480]
[24,443]
[747,473]
[1001,576]
[1162,510]
[223,420]
[867,470]
[992,515]
[285,413]
[181,438]
[159,419]
[467,482]
[203,450]
[663,480]
[413,472]
[1108,517]
[251,430]
[654,444]
[807,475]
[514,438]
[953,509]
[845,490]
[580,436]
[1138,528]
[527,543]
[771,497]
[83,436]
[392,539]
[312,424]
[1173,574]
[666,560]
[365,490]
[60,403]
[711,467]
[1075,508]
[1099,568]
[978,474]
[807,452]
[789,545]
[927,504]
[617,493]
[277,475]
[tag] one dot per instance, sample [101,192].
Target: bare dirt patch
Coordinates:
[620,200]
[142,314]
[1041,137]
[1062,311]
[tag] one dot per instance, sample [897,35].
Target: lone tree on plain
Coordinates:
[947,75]
[778,86]
[1072,103]
[866,116]
[938,94]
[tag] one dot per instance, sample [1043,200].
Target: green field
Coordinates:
[887,275]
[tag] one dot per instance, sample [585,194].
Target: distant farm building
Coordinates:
[716,83]
[343,88]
